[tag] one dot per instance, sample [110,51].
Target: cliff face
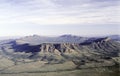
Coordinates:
[99,47]
[96,50]
[47,48]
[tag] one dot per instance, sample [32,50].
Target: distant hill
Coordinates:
[102,51]
[35,39]
[102,45]
[115,37]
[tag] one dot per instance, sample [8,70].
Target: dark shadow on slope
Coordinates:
[25,48]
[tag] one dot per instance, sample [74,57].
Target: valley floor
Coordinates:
[106,71]
[40,68]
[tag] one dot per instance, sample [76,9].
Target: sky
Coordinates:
[57,17]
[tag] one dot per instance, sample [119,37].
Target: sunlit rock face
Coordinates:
[96,50]
[103,46]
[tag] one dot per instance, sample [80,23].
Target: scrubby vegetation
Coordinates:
[73,59]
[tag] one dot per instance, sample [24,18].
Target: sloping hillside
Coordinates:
[101,48]
[27,58]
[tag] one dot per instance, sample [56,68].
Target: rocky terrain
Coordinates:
[31,54]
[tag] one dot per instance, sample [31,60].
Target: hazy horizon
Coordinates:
[59,17]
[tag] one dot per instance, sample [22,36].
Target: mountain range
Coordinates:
[82,51]
[36,39]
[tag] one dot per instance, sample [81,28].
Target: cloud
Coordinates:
[20,13]
[41,9]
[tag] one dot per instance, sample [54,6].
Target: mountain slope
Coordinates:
[101,48]
[92,52]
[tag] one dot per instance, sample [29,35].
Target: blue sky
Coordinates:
[57,17]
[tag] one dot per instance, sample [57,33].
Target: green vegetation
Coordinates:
[100,57]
